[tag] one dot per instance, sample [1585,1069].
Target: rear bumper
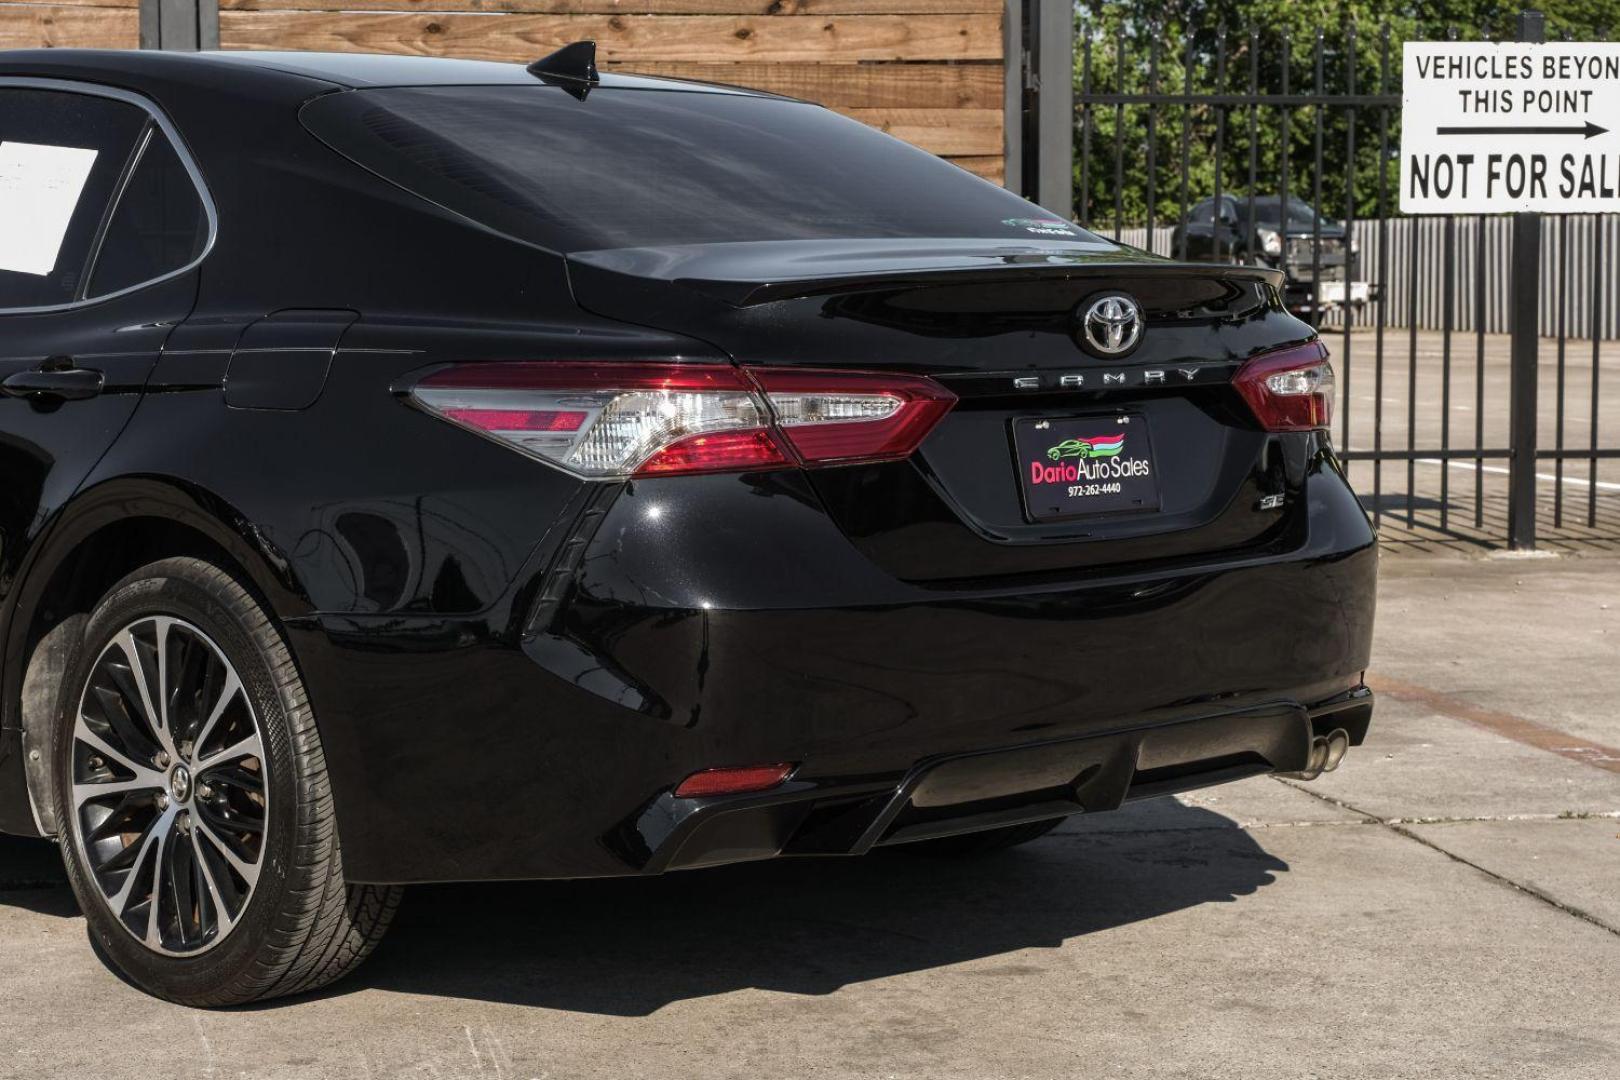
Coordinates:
[960,793]
[703,623]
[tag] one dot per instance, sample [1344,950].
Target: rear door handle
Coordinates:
[62,383]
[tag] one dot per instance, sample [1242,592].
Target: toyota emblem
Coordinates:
[1111,325]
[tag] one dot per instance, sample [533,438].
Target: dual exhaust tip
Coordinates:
[1326,753]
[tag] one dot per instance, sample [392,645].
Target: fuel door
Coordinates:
[282,360]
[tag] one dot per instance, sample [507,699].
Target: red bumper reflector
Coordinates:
[732,781]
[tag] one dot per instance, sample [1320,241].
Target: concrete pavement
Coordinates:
[1446,905]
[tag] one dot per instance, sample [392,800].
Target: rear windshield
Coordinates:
[644,168]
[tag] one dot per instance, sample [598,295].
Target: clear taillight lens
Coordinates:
[609,421]
[1289,390]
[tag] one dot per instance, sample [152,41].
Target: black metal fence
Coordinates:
[1218,133]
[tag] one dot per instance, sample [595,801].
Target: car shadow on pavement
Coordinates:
[628,947]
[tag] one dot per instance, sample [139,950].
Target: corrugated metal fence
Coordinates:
[1479,245]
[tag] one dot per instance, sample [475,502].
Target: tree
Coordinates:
[1227,46]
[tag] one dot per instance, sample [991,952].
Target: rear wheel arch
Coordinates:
[104,534]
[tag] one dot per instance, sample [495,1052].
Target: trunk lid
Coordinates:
[999,325]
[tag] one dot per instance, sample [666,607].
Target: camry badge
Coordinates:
[1111,325]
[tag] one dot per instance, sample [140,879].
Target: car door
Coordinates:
[1212,234]
[106,222]
[1226,232]
[1196,230]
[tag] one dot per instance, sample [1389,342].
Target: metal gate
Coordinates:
[1471,410]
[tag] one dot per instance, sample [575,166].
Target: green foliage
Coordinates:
[1225,46]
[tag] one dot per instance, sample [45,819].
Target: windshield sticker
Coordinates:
[1042,226]
[40,188]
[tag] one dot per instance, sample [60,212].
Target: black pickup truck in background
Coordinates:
[1252,231]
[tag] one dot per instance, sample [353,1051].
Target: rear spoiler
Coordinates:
[745,275]
[747,294]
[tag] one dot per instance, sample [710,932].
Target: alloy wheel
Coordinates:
[170,790]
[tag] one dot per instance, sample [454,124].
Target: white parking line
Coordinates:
[1602,485]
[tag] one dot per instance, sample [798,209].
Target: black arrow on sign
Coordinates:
[1587,130]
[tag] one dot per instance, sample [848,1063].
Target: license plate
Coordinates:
[1085,465]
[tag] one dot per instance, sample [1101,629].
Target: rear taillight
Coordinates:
[836,417]
[1289,390]
[611,421]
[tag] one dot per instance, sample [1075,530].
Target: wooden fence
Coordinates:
[932,72]
[78,24]
[928,71]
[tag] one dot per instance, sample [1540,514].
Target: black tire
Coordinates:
[298,925]
[987,842]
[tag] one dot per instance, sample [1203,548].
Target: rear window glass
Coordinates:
[643,168]
[159,226]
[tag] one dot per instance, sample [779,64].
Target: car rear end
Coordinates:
[926,536]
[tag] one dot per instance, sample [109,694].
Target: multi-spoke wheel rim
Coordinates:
[170,786]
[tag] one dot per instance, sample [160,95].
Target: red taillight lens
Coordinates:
[732,781]
[517,419]
[583,376]
[615,420]
[1289,390]
[724,451]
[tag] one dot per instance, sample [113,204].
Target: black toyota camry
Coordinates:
[428,470]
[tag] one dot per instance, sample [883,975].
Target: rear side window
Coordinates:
[158,227]
[62,156]
[640,168]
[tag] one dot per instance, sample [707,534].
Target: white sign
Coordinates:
[39,190]
[1489,129]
